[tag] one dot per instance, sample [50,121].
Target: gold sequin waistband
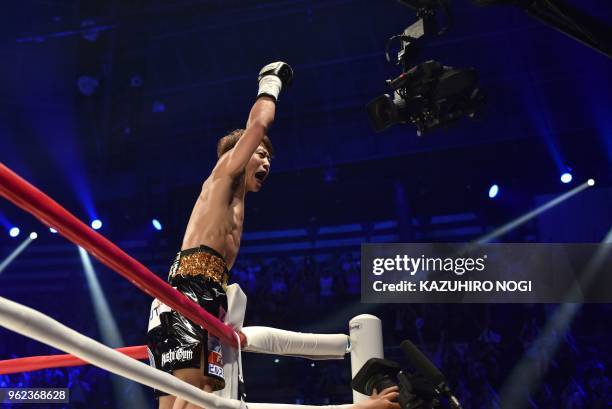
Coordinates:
[200,263]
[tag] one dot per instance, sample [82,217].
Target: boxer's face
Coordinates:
[257,169]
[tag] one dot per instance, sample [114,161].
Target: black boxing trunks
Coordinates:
[175,342]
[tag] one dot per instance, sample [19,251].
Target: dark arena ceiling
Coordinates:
[114,108]
[120,104]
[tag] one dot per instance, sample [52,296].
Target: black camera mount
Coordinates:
[429,94]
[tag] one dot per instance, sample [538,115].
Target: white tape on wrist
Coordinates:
[270,85]
[268,340]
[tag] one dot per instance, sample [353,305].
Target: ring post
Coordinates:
[366,342]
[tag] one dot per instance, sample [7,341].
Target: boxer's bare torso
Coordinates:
[217,217]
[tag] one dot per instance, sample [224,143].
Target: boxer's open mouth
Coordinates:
[261,175]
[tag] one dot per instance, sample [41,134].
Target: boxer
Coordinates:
[210,246]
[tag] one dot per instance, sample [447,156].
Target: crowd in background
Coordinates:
[480,348]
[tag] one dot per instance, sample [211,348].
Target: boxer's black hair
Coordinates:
[229,141]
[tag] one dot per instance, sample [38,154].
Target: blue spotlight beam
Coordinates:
[4,221]
[111,336]
[608,238]
[527,374]
[106,321]
[14,254]
[500,231]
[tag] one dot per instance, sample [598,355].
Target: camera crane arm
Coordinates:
[567,19]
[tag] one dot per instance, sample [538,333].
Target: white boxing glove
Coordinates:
[273,77]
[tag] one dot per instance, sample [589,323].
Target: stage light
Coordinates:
[276,360]
[329,175]
[87,85]
[156,223]
[158,107]
[33,235]
[566,177]
[493,191]
[91,34]
[52,230]
[591,182]
[136,81]
[96,224]
[14,231]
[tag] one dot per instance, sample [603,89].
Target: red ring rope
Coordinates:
[48,211]
[34,363]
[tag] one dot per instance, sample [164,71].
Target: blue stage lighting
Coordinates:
[158,107]
[33,235]
[591,182]
[493,191]
[96,224]
[52,230]
[156,224]
[566,177]
[14,232]
[87,85]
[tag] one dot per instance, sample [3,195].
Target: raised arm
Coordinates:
[272,78]
[260,120]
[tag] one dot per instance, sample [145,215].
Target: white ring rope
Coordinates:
[36,325]
[40,327]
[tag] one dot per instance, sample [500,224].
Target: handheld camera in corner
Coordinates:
[429,94]
[425,389]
